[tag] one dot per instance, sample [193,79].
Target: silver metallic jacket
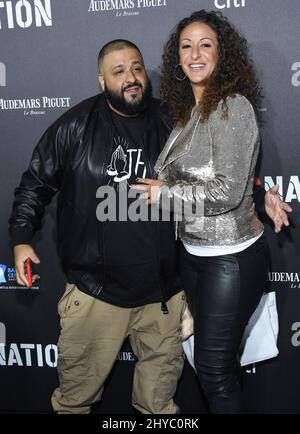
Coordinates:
[209,168]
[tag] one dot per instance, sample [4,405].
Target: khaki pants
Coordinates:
[92,333]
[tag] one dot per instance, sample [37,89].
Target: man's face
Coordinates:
[125,82]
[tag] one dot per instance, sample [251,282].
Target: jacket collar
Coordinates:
[178,144]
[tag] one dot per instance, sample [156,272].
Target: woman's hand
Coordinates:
[151,188]
[276,209]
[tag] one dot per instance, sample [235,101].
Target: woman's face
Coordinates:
[198,53]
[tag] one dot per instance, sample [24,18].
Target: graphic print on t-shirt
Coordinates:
[126,163]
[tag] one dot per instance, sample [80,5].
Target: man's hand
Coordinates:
[21,253]
[276,209]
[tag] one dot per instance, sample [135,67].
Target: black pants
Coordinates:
[223,292]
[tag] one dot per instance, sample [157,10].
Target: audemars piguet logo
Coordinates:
[126,356]
[35,106]
[123,8]
[222,4]
[290,278]
[2,75]
[25,13]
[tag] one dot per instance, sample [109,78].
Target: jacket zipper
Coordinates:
[164,307]
[101,179]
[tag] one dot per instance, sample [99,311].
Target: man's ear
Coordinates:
[101,81]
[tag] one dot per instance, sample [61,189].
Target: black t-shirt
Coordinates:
[130,247]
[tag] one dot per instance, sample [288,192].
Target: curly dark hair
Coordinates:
[234,72]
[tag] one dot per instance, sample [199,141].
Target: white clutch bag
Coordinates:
[260,338]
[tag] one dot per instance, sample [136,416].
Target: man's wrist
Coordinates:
[21,235]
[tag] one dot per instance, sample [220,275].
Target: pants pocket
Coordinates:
[64,301]
[72,365]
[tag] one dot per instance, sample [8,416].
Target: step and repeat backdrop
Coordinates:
[48,63]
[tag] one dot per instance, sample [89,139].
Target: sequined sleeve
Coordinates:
[234,141]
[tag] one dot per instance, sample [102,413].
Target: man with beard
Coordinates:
[122,275]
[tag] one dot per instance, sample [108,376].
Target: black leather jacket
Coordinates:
[70,159]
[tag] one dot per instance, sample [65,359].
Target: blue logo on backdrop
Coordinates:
[7,274]
[8,279]
[2,273]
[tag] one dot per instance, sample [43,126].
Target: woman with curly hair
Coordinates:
[207,168]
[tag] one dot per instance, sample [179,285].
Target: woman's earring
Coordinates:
[176,72]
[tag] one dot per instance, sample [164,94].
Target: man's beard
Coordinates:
[135,105]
